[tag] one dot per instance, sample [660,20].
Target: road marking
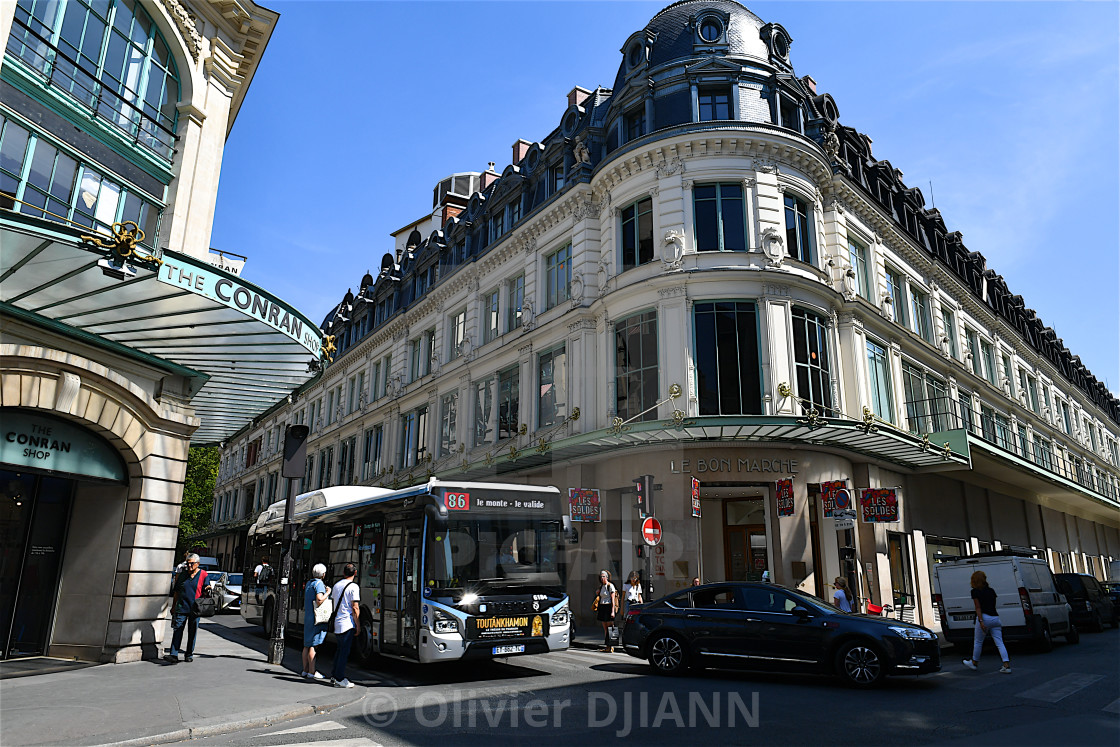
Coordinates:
[1113,707]
[361,742]
[320,726]
[1062,687]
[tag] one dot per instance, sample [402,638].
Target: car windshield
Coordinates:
[496,552]
[233,579]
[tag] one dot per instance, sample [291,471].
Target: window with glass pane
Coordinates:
[950,326]
[449,405]
[965,401]
[790,115]
[558,276]
[497,225]
[553,387]
[974,351]
[513,213]
[636,373]
[799,229]
[715,104]
[879,372]
[987,352]
[927,400]
[720,218]
[857,255]
[516,288]
[987,423]
[1024,450]
[490,316]
[457,333]
[634,122]
[810,356]
[728,372]
[484,426]
[637,234]
[923,323]
[1067,421]
[1009,373]
[897,292]
[509,399]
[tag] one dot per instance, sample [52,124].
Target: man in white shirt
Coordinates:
[345,595]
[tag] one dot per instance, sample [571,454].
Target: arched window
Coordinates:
[108,55]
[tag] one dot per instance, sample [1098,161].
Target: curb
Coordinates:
[248,720]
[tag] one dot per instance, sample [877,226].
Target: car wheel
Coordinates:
[1045,639]
[1073,636]
[860,664]
[667,655]
[1097,625]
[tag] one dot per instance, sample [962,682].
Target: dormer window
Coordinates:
[777,41]
[635,120]
[634,55]
[711,29]
[714,104]
[789,113]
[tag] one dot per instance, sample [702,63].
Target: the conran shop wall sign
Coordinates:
[218,285]
[55,445]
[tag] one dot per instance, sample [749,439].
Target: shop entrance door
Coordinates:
[744,540]
[34,514]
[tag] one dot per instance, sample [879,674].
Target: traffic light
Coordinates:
[295,450]
[643,486]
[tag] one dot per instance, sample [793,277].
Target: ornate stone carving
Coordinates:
[185,23]
[670,167]
[603,274]
[576,289]
[686,183]
[585,208]
[672,251]
[773,246]
[527,315]
[832,146]
[654,190]
[676,290]
[765,165]
[580,151]
[466,348]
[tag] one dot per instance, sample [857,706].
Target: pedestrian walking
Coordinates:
[314,633]
[345,595]
[260,574]
[190,585]
[842,597]
[606,608]
[987,622]
[695,580]
[631,593]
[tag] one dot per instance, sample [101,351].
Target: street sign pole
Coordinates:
[295,454]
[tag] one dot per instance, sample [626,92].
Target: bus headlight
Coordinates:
[561,616]
[443,623]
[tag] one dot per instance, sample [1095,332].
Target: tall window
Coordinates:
[558,276]
[987,352]
[509,398]
[810,355]
[484,426]
[516,288]
[1024,449]
[974,351]
[109,57]
[927,400]
[720,218]
[346,459]
[790,116]
[923,323]
[1067,420]
[1009,373]
[897,292]
[371,453]
[879,373]
[636,365]
[950,326]
[857,254]
[728,373]
[326,464]
[715,104]
[635,121]
[490,316]
[555,179]
[553,387]
[457,333]
[799,229]
[964,399]
[497,225]
[637,234]
[414,427]
[448,410]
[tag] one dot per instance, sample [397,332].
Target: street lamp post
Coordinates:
[295,454]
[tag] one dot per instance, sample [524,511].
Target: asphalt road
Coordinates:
[1070,696]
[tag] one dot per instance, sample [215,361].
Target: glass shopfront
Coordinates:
[745,548]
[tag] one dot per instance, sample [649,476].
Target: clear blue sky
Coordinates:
[1011,109]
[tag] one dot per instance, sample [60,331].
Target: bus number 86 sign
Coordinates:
[457,501]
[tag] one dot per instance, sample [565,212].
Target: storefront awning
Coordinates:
[253,348]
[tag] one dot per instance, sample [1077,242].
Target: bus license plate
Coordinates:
[967,616]
[499,650]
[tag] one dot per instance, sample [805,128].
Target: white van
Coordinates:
[1027,600]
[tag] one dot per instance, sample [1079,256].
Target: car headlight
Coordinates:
[915,634]
[561,616]
[443,623]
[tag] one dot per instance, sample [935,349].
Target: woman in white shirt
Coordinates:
[842,597]
[631,593]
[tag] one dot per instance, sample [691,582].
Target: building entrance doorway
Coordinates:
[34,516]
[746,555]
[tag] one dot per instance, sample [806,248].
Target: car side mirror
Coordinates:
[800,613]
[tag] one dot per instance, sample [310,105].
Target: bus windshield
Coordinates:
[494,552]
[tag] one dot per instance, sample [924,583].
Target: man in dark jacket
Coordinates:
[188,586]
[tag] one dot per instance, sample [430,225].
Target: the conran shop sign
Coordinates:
[217,285]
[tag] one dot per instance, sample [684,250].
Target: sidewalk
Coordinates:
[229,686]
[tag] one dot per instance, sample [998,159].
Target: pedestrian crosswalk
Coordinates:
[1061,688]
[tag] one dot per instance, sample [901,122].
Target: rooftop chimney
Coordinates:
[810,84]
[488,177]
[520,150]
[577,96]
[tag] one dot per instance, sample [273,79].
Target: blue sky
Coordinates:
[1010,109]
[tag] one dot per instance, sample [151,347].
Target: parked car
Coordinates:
[227,591]
[1112,588]
[1091,605]
[774,628]
[1029,603]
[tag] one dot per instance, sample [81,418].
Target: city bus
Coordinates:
[446,570]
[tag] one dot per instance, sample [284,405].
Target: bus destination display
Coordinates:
[487,501]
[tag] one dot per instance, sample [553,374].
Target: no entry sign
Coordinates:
[651,531]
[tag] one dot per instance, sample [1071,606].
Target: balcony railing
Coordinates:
[943,413]
[64,74]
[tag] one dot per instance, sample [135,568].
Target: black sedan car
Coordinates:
[770,627]
[1091,604]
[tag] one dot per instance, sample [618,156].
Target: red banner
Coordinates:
[696,498]
[583,503]
[785,497]
[878,505]
[828,495]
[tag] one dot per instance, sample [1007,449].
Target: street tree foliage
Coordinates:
[198,493]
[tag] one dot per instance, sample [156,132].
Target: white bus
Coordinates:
[446,570]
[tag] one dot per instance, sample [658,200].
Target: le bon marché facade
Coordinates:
[702,273]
